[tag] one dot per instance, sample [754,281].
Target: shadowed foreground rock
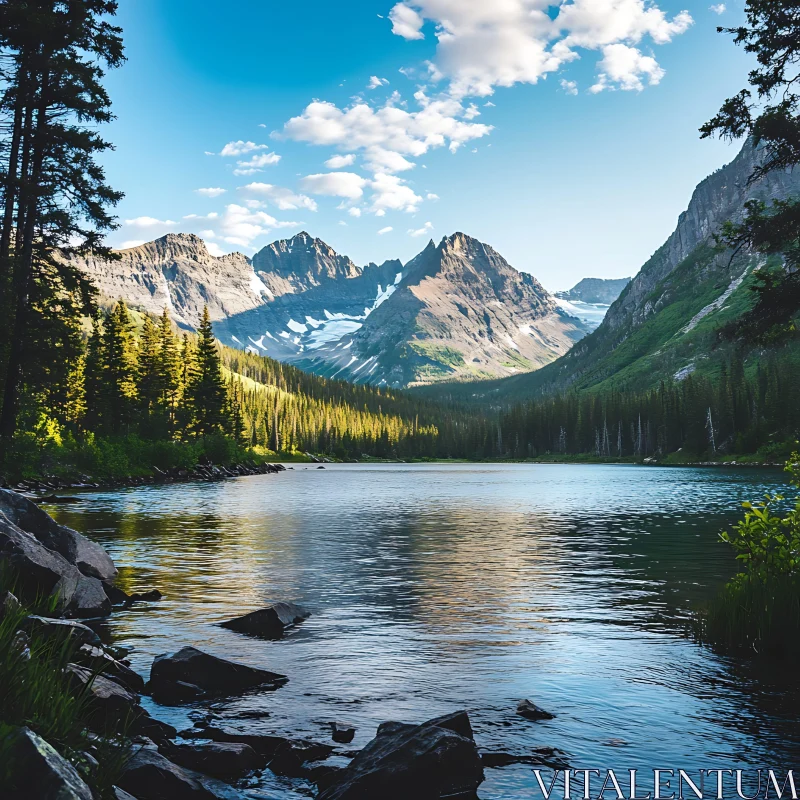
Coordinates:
[40,772]
[434,760]
[48,559]
[268,623]
[193,672]
[151,776]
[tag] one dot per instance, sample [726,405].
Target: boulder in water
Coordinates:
[531,711]
[225,760]
[211,675]
[269,623]
[434,760]
[151,776]
[342,734]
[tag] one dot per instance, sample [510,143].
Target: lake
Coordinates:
[440,587]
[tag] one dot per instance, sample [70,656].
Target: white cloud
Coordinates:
[149,222]
[626,67]
[388,129]
[210,192]
[375,82]
[255,164]
[570,87]
[240,226]
[378,159]
[482,45]
[337,162]
[390,193]
[427,227]
[431,196]
[240,148]
[282,198]
[387,229]
[131,243]
[354,211]
[406,22]
[719,8]
[335,184]
[214,249]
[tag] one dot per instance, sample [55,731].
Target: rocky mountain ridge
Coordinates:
[595,290]
[457,310]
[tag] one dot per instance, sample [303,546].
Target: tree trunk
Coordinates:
[23,271]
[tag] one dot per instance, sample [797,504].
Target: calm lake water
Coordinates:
[435,588]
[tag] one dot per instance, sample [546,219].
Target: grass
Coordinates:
[755,615]
[35,692]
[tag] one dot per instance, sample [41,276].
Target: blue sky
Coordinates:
[564,136]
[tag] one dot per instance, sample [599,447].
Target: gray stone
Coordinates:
[41,571]
[41,772]
[531,711]
[60,630]
[88,556]
[109,702]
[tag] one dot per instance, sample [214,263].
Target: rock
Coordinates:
[21,645]
[109,702]
[97,659]
[550,757]
[531,711]
[343,734]
[8,604]
[39,771]
[264,744]
[152,728]
[425,762]
[121,794]
[61,630]
[290,757]
[225,760]
[150,776]
[269,623]
[115,594]
[43,572]
[173,693]
[148,597]
[210,674]
[88,556]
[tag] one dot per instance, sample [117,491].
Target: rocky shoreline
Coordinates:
[211,761]
[45,487]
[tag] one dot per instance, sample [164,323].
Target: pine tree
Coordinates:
[206,393]
[54,191]
[118,371]
[170,372]
[149,373]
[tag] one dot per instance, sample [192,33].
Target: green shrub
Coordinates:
[759,609]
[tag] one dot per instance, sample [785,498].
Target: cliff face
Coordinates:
[177,272]
[664,324]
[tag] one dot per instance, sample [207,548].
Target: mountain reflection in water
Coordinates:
[440,587]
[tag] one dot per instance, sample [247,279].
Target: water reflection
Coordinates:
[437,587]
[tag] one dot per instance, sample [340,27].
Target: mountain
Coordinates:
[595,290]
[458,310]
[178,272]
[665,323]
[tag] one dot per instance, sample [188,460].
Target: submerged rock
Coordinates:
[39,771]
[190,667]
[269,623]
[290,757]
[429,761]
[531,711]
